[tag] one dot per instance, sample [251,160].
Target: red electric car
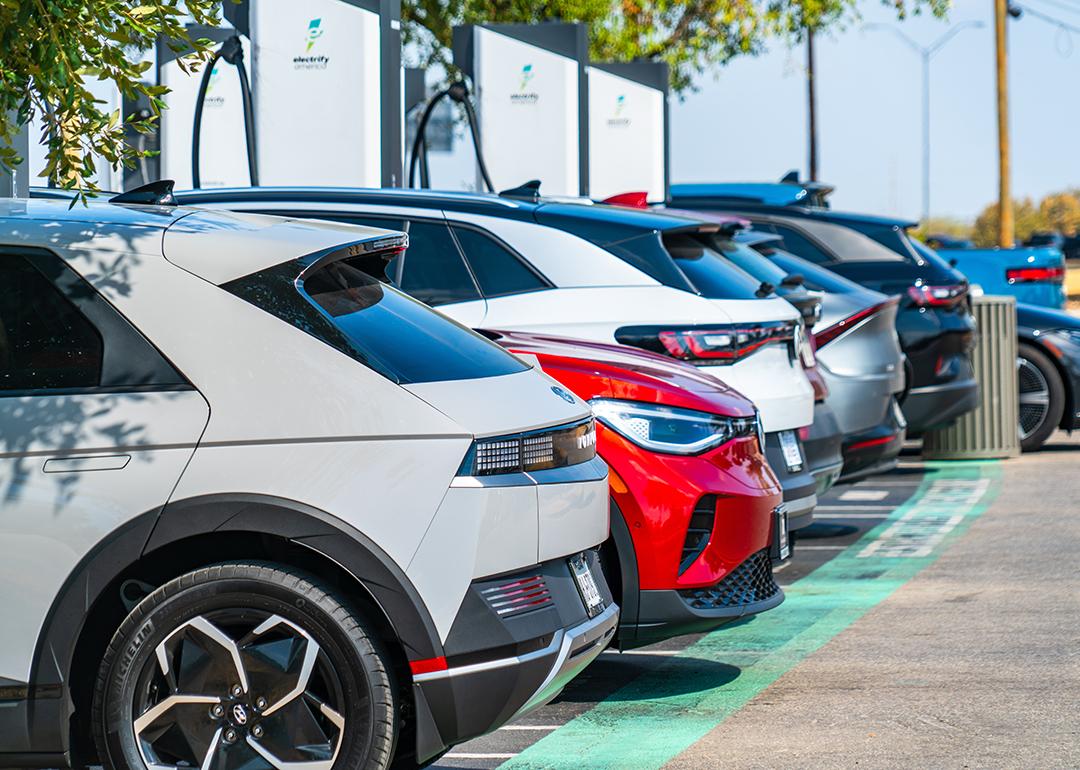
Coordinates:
[697,519]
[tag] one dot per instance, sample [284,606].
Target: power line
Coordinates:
[1063,6]
[1049,19]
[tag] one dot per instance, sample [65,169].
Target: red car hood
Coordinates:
[599,370]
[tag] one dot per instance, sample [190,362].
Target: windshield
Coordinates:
[706,260]
[855,244]
[373,323]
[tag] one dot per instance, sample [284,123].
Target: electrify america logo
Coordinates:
[618,120]
[213,100]
[522,95]
[307,62]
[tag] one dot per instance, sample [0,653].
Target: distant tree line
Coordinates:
[1055,213]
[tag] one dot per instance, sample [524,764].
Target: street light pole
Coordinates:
[926,53]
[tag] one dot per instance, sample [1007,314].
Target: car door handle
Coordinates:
[86,463]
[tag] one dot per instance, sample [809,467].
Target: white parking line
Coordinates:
[855,508]
[530,727]
[865,495]
[825,516]
[463,755]
[897,482]
[801,547]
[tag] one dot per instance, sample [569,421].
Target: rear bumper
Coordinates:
[933,406]
[823,448]
[799,486]
[499,667]
[874,451]
[747,590]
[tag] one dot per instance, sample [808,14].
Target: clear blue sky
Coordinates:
[749,121]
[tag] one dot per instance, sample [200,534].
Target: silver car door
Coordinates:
[96,428]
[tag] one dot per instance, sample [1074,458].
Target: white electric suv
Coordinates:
[260,510]
[603,273]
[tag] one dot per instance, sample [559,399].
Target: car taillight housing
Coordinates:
[1035,274]
[718,344]
[830,333]
[925,295]
[534,451]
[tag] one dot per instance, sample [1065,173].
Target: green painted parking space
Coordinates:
[666,710]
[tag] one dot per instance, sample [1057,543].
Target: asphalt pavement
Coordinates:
[932,619]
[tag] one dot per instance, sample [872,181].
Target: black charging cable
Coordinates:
[232,51]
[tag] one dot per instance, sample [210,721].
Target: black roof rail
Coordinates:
[159,193]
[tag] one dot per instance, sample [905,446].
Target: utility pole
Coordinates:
[811,98]
[1006,226]
[926,53]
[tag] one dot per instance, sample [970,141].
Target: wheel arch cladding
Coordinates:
[187,534]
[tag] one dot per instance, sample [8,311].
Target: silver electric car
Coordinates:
[259,510]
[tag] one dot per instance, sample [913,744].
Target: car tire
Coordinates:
[1042,397]
[241,659]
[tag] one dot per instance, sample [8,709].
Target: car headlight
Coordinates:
[671,429]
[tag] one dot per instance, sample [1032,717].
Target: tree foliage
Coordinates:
[692,36]
[1058,212]
[51,47]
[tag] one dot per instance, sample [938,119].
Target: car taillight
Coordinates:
[534,451]
[1032,274]
[723,344]
[830,333]
[937,296]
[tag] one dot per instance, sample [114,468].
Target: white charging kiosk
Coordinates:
[531,101]
[223,148]
[327,88]
[628,129]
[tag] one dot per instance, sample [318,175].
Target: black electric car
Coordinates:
[934,322]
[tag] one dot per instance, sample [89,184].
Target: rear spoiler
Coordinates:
[373,255]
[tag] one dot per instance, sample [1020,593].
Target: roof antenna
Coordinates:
[159,193]
[791,177]
[530,191]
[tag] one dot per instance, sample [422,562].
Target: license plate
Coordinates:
[586,584]
[789,444]
[783,543]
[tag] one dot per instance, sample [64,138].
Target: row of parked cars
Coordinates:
[295,477]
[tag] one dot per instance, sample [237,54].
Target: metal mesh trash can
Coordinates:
[991,430]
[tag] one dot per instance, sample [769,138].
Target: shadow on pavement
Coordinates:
[820,529]
[688,675]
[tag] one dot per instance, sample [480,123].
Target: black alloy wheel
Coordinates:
[246,666]
[1042,397]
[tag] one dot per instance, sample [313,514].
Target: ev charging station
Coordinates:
[530,89]
[326,96]
[223,151]
[327,88]
[628,129]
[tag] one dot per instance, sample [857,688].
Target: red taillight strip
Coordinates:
[872,442]
[689,344]
[428,665]
[937,296]
[828,334]
[1031,274]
